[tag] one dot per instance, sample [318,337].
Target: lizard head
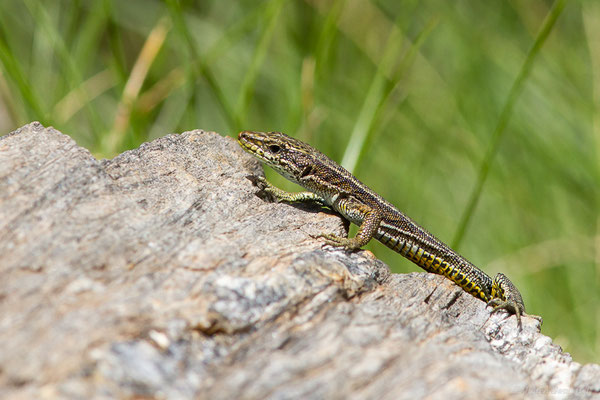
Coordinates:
[290,157]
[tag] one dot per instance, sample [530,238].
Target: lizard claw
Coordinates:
[264,187]
[258,181]
[512,307]
[338,241]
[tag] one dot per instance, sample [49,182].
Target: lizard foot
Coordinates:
[512,307]
[338,241]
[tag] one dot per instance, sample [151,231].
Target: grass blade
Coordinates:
[247,88]
[505,115]
[380,91]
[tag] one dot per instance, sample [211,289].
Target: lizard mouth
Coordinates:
[243,138]
[245,142]
[251,143]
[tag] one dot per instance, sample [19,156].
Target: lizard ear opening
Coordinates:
[306,171]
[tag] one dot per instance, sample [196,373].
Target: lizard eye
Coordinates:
[274,148]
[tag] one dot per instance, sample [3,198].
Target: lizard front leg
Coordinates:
[279,195]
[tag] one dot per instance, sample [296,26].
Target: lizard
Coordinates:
[329,184]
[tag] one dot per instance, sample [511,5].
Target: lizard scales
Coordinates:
[330,184]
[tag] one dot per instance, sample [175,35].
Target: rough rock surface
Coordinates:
[160,273]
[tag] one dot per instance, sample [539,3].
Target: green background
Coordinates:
[479,119]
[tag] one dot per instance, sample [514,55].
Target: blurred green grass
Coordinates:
[408,94]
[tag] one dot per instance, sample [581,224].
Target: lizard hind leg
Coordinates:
[506,296]
[366,232]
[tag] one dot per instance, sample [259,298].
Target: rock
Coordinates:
[160,273]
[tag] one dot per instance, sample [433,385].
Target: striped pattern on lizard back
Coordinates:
[401,234]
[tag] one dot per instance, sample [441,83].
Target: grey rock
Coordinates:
[161,273]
